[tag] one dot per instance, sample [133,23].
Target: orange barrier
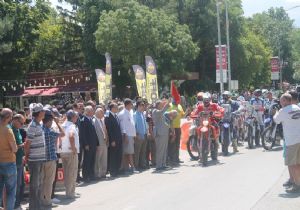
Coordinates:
[185,126]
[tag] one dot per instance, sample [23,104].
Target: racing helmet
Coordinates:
[206,99]
[257,93]
[226,95]
[200,96]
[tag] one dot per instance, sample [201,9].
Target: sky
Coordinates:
[256,6]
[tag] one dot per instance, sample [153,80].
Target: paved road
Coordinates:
[250,179]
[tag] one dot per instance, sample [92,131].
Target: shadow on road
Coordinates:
[289,195]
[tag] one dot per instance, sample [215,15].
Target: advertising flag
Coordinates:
[224,64]
[108,78]
[174,92]
[101,85]
[140,80]
[151,78]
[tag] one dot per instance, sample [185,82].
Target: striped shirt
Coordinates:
[35,135]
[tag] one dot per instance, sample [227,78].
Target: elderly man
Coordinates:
[8,170]
[129,133]
[289,116]
[89,142]
[17,123]
[69,153]
[161,133]
[101,154]
[35,154]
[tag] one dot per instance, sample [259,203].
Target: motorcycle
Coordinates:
[202,139]
[226,131]
[252,127]
[272,132]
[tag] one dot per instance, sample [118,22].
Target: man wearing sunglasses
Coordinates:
[17,123]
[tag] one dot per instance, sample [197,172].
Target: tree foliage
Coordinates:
[133,31]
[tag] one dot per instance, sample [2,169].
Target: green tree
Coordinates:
[133,31]
[276,26]
[5,41]
[295,37]
[25,19]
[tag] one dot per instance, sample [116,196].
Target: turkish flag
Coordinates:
[174,92]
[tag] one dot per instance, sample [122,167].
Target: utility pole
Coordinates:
[228,46]
[220,49]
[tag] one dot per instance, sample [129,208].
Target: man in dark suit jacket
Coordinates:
[89,143]
[115,140]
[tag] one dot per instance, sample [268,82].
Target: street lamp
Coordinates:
[220,48]
[228,46]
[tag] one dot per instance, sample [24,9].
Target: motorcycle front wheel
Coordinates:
[193,147]
[226,141]
[204,151]
[250,137]
[267,140]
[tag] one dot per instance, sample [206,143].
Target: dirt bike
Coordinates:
[202,140]
[272,132]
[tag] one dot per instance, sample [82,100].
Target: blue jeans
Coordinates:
[20,185]
[8,179]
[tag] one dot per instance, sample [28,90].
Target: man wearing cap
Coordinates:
[49,167]
[35,154]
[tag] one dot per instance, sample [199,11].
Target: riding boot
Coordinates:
[234,145]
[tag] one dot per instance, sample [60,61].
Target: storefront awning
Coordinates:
[49,91]
[32,92]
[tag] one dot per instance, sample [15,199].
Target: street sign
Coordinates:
[275,68]
[224,64]
[234,84]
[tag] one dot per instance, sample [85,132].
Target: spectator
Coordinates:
[90,142]
[35,154]
[174,142]
[8,170]
[289,117]
[17,123]
[101,154]
[161,134]
[69,153]
[115,140]
[49,167]
[140,143]
[128,133]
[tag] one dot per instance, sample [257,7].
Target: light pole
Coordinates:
[228,46]
[220,48]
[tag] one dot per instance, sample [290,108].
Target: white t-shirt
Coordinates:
[65,141]
[289,116]
[127,122]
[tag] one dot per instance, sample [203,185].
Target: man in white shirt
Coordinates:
[289,116]
[128,133]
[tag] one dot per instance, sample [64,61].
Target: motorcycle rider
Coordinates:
[258,103]
[227,99]
[214,109]
[199,98]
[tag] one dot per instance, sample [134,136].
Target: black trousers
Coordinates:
[114,159]
[173,147]
[88,163]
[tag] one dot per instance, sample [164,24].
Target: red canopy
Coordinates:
[49,91]
[40,92]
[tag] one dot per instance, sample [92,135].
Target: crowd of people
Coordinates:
[95,142]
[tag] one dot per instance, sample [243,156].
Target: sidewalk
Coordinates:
[277,199]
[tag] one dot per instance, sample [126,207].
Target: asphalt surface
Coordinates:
[250,179]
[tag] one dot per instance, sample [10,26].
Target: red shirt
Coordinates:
[213,107]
